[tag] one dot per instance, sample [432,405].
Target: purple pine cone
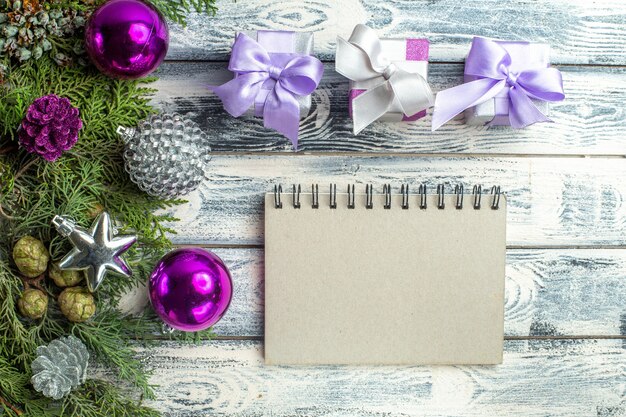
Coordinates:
[50,127]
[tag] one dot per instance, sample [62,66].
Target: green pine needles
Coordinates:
[177,11]
[86,180]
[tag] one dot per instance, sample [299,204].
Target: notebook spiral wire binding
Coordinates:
[333,196]
[387,193]
[404,191]
[315,194]
[495,203]
[458,190]
[369,191]
[296,197]
[423,201]
[277,190]
[351,196]
[477,191]
[441,203]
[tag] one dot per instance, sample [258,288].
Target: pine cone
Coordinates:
[26,26]
[95,210]
[30,256]
[65,278]
[50,127]
[77,304]
[60,367]
[33,303]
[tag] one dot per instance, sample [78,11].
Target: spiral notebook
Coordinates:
[384,278]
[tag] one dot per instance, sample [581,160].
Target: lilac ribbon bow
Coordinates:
[254,67]
[490,62]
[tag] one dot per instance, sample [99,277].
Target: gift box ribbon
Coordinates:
[490,62]
[299,75]
[361,58]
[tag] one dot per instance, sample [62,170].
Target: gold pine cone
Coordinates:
[33,303]
[65,278]
[77,304]
[30,256]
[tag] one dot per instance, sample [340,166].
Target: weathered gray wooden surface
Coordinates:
[565,353]
[591,121]
[553,201]
[549,293]
[564,378]
[579,31]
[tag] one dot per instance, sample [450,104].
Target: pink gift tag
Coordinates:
[417,49]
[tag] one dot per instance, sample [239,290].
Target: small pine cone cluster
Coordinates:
[26,26]
[31,258]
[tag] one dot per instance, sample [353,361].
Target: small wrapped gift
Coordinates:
[524,56]
[274,77]
[280,44]
[410,55]
[387,77]
[506,83]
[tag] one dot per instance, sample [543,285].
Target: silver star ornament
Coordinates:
[95,250]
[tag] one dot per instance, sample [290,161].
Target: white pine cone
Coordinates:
[60,367]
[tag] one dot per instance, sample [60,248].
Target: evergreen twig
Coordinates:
[82,182]
[178,10]
[11,407]
[6,216]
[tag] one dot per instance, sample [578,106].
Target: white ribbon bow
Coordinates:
[361,58]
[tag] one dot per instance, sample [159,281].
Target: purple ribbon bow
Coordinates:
[490,62]
[254,67]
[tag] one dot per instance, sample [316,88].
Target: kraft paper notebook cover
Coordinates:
[396,285]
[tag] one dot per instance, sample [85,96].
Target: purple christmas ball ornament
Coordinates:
[50,127]
[190,289]
[126,38]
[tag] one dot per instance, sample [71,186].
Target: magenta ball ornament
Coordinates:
[126,38]
[190,289]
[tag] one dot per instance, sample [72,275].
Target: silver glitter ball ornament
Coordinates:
[166,155]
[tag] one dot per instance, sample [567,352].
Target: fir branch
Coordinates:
[12,387]
[6,216]
[100,398]
[178,10]
[10,406]
[85,180]
[15,392]
[91,175]
[108,336]
[193,337]
[18,341]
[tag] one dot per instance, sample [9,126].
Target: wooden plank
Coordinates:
[548,293]
[552,201]
[538,377]
[579,31]
[590,121]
